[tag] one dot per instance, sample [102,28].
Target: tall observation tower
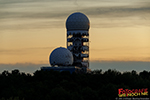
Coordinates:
[77,25]
[74,58]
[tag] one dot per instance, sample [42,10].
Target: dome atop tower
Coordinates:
[61,57]
[77,21]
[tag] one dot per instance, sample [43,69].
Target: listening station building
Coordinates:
[74,58]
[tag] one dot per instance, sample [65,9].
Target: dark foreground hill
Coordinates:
[52,85]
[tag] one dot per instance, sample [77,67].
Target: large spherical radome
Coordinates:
[77,21]
[61,57]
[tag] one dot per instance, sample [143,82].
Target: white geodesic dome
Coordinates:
[61,57]
[77,21]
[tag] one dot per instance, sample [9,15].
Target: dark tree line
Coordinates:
[53,85]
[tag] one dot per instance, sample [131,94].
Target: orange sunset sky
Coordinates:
[31,29]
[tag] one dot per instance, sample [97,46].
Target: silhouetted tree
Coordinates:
[54,85]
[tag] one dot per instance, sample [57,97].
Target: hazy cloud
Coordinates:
[23,67]
[120,65]
[44,9]
[117,12]
[111,15]
[22,50]
[104,65]
[122,59]
[125,48]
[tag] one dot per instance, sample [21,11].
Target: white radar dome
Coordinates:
[61,57]
[77,21]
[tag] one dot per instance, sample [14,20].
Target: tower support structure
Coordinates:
[78,44]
